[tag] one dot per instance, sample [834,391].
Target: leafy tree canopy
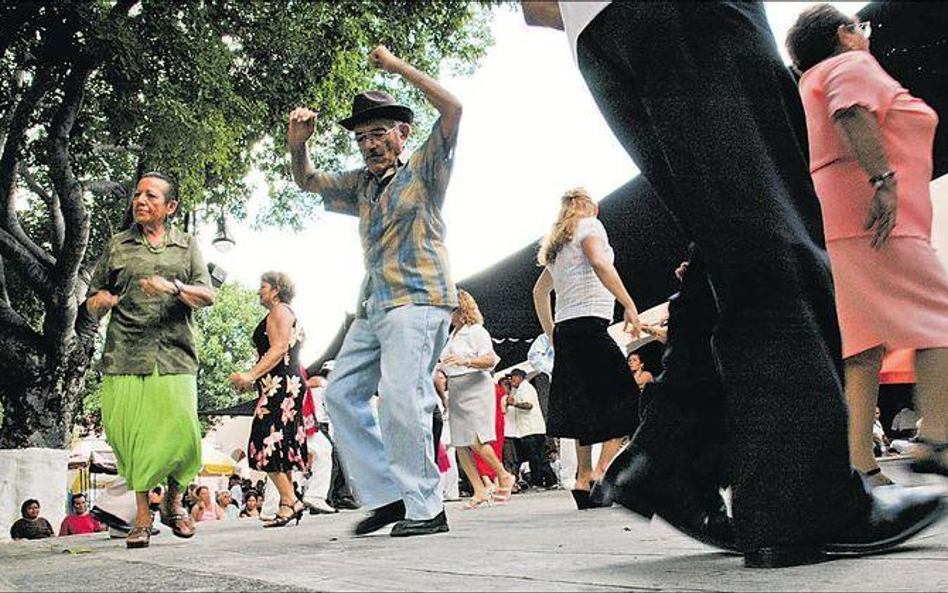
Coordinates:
[94,93]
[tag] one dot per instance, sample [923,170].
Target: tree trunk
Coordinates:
[42,411]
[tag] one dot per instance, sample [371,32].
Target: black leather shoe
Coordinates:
[634,481]
[380,517]
[410,527]
[345,504]
[895,515]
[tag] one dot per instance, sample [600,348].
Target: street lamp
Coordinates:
[223,241]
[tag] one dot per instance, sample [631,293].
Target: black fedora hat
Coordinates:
[376,105]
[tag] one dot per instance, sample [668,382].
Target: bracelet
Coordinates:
[880,180]
[177,285]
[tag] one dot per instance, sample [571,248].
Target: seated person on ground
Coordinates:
[30,525]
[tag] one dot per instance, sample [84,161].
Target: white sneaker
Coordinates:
[318,506]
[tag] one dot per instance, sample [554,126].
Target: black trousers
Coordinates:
[339,486]
[697,94]
[533,450]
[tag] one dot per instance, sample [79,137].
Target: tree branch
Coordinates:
[33,271]
[12,325]
[103,187]
[4,295]
[102,148]
[61,314]
[57,224]
[15,141]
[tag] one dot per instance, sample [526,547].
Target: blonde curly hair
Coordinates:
[468,311]
[574,206]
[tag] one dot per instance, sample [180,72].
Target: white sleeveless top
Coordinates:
[576,15]
[579,292]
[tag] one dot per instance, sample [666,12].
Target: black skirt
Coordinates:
[593,396]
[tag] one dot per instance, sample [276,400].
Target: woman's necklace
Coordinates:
[155,248]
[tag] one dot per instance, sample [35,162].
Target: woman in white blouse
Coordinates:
[467,360]
[593,395]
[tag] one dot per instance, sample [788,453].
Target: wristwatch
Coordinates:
[178,285]
[879,181]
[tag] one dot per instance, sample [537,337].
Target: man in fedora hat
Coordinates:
[699,97]
[406,300]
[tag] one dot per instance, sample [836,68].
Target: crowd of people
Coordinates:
[772,235]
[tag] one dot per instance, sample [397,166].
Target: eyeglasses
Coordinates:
[865,27]
[373,135]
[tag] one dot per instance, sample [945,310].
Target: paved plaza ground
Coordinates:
[537,542]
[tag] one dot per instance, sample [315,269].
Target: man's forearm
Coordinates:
[441,98]
[542,13]
[302,166]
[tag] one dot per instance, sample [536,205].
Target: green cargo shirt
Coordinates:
[145,332]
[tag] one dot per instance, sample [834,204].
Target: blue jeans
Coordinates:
[393,353]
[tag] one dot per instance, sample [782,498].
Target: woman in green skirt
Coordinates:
[151,279]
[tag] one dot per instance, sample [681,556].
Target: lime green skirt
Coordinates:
[152,426]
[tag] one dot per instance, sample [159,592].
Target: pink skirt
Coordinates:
[896,297]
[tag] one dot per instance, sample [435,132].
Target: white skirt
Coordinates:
[472,408]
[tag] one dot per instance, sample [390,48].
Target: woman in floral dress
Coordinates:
[277,436]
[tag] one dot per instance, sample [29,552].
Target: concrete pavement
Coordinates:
[538,541]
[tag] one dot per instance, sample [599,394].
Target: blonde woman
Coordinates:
[466,361]
[593,396]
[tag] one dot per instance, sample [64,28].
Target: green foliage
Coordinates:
[202,90]
[225,344]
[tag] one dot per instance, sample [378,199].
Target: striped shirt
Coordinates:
[400,225]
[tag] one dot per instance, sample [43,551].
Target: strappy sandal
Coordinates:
[502,494]
[284,520]
[138,537]
[474,503]
[181,524]
[171,513]
[932,462]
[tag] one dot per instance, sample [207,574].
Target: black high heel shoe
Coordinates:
[596,499]
[581,498]
[590,499]
[284,520]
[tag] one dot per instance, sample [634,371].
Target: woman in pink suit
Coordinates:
[871,161]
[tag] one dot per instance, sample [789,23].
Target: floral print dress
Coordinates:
[277,436]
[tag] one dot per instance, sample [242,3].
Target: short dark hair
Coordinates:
[27,503]
[172,194]
[518,373]
[813,38]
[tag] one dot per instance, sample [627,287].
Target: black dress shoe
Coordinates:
[636,482]
[381,517]
[345,504]
[410,527]
[895,515]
